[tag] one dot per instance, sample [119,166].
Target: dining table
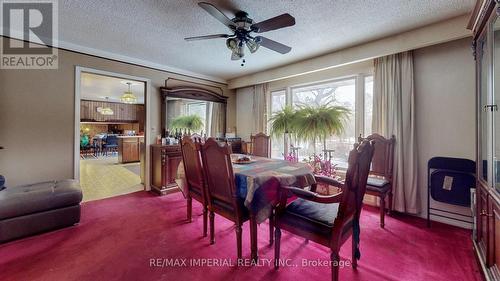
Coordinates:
[258,182]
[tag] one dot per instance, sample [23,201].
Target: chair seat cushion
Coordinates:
[39,197]
[316,212]
[377,182]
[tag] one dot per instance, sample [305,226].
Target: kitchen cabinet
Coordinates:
[128,149]
[122,112]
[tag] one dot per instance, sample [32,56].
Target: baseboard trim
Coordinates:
[485,273]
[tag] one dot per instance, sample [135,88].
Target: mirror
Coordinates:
[193,110]
[193,116]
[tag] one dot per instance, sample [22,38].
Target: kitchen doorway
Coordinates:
[111,141]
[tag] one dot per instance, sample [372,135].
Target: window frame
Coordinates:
[359,106]
[269,112]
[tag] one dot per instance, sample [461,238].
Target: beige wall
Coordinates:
[244,120]
[445,107]
[37,115]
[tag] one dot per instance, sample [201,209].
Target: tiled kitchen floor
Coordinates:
[104,177]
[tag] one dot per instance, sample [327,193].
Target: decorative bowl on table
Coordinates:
[241,159]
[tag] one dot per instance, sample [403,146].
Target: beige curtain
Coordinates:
[394,114]
[217,119]
[259,109]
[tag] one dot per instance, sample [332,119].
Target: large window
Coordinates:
[354,93]
[277,103]
[341,93]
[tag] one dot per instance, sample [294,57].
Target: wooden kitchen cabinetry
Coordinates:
[122,112]
[165,160]
[485,24]
[129,148]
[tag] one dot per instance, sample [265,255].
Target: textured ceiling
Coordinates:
[153,30]
[99,87]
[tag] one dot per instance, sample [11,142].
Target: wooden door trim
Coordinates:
[147,127]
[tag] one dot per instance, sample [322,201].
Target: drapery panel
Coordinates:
[217,121]
[259,108]
[394,114]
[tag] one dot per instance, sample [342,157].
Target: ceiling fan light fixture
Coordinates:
[242,27]
[237,48]
[252,45]
[231,43]
[238,53]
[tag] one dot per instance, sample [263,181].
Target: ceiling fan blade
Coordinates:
[214,36]
[272,45]
[278,22]
[216,13]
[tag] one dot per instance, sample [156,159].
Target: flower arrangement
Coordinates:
[322,166]
[291,158]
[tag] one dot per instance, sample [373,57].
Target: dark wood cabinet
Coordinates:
[495,253]
[487,238]
[165,160]
[482,222]
[485,24]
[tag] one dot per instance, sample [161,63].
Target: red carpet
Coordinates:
[118,237]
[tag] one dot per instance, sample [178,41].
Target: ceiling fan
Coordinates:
[241,27]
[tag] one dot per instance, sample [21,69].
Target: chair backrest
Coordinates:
[355,182]
[218,169]
[261,145]
[111,140]
[383,157]
[192,164]
[195,136]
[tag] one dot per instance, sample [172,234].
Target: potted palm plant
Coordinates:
[193,123]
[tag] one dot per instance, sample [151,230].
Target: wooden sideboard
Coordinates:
[165,160]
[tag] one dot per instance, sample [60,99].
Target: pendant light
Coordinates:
[105,110]
[128,96]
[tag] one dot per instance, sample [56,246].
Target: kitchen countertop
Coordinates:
[129,137]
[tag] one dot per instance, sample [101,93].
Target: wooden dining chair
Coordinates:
[222,196]
[380,177]
[261,145]
[195,136]
[195,179]
[327,220]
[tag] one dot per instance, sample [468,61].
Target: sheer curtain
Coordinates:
[394,114]
[217,119]
[259,108]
